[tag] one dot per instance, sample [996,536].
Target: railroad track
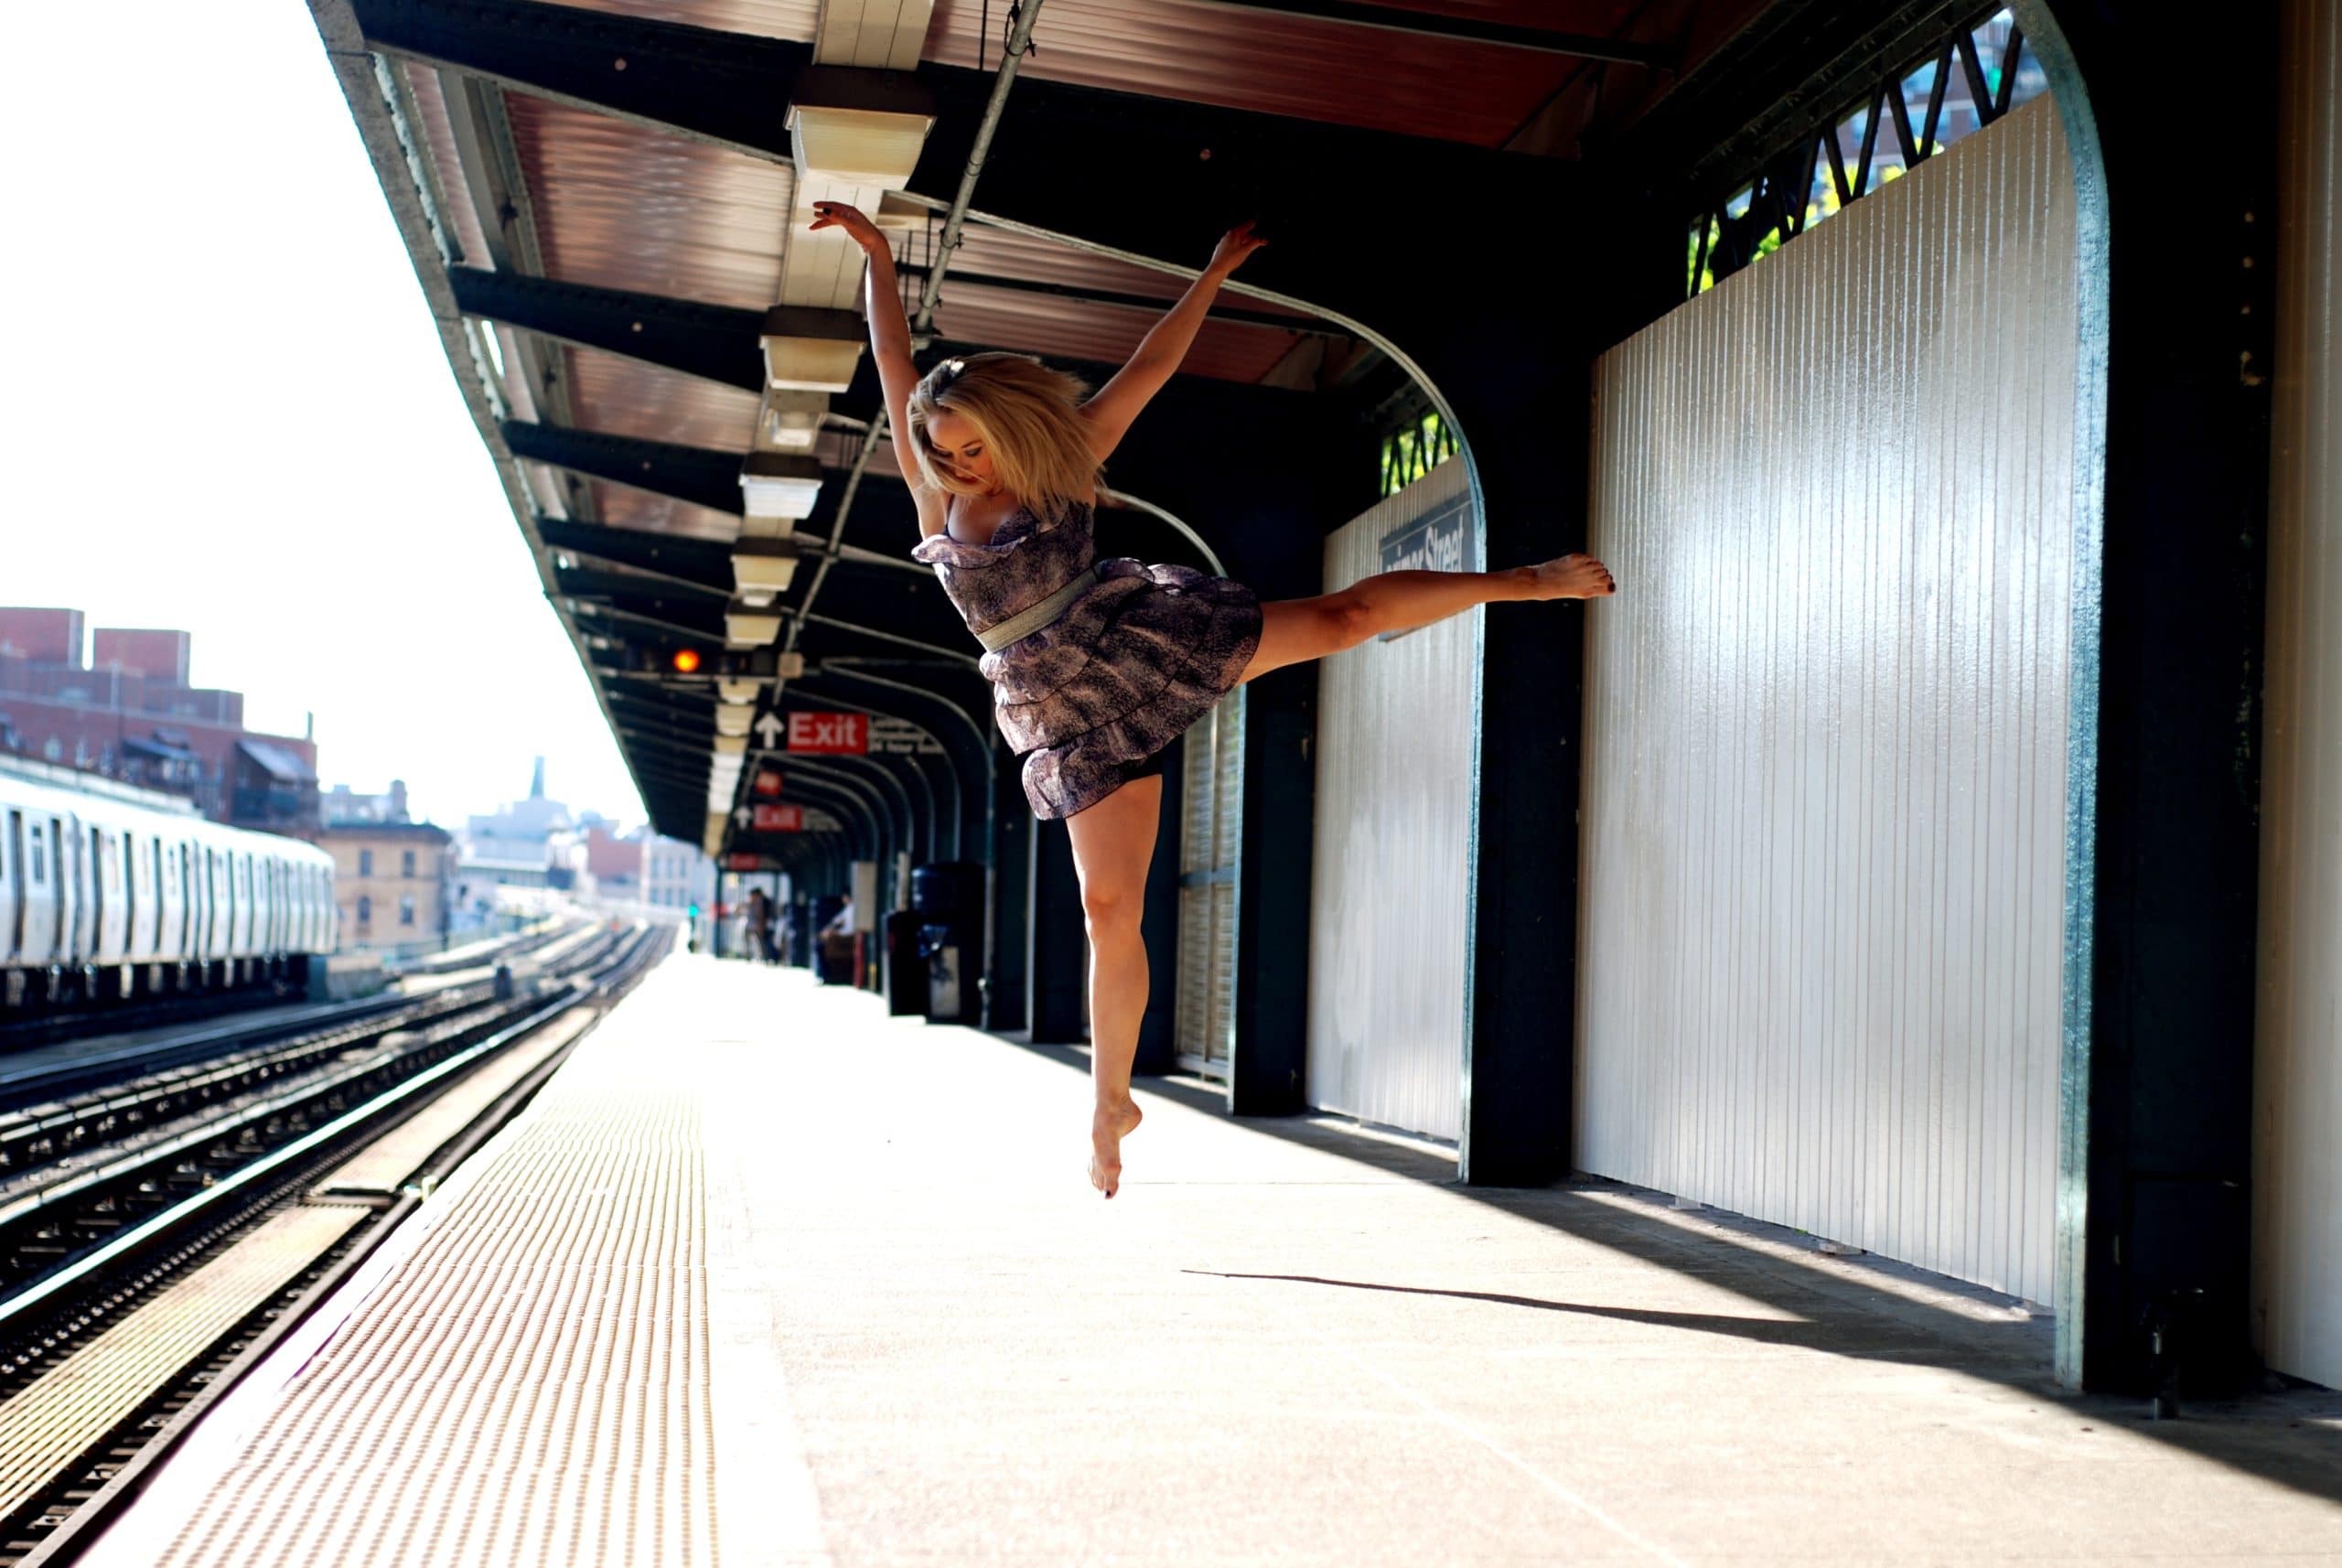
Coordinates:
[140,1273]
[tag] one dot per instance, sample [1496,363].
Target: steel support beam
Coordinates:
[713,343]
[727,89]
[695,474]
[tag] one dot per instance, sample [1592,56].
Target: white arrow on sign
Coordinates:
[769,730]
[742,817]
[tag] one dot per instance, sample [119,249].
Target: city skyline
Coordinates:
[300,487]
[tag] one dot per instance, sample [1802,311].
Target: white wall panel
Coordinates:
[1826,724]
[1389,912]
[2297,1076]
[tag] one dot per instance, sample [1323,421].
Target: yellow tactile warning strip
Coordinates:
[529,1384]
[382,1165]
[92,1390]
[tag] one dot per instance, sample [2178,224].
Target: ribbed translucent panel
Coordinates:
[2297,1079]
[1389,901]
[1826,724]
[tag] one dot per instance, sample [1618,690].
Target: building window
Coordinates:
[406,862]
[406,909]
[365,909]
[365,863]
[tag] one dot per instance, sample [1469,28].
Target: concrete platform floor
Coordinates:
[1291,1343]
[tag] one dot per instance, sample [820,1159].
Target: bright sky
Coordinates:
[229,413]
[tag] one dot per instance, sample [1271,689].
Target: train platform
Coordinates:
[765,1277]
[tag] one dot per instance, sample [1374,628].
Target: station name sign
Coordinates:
[1439,541]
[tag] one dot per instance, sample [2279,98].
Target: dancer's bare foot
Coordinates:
[1573,577]
[1109,1125]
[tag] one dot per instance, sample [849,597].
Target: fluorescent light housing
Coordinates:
[731,747]
[869,146]
[789,666]
[737,692]
[790,420]
[763,567]
[775,486]
[730,720]
[748,628]
[808,349]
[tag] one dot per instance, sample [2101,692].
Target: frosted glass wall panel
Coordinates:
[1388,916]
[1826,724]
[2297,1075]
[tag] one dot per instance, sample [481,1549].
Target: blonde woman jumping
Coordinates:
[1098,666]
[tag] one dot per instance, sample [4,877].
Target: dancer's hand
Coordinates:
[856,223]
[1234,246]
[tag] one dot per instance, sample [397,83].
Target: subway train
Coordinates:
[103,901]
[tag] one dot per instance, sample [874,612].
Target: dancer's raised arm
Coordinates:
[1108,414]
[890,346]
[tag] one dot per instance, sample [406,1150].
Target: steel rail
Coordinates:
[85,1491]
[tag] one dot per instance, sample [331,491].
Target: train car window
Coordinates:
[39,859]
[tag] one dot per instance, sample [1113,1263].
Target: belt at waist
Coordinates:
[1025,622]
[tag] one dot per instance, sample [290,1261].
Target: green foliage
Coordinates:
[1413,450]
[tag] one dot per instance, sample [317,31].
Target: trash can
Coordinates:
[948,898]
[906,981]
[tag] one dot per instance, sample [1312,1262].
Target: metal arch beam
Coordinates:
[906,824]
[823,702]
[859,631]
[851,806]
[881,768]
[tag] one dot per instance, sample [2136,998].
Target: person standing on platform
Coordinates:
[759,931]
[1098,666]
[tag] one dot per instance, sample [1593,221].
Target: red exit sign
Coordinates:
[768,782]
[845,734]
[778,820]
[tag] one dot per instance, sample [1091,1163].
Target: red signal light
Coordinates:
[686,660]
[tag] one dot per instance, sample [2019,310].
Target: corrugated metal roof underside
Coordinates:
[621,206]
[626,397]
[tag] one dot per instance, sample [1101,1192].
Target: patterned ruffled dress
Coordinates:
[1091,699]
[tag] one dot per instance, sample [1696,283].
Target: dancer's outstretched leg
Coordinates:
[1295,630]
[1112,843]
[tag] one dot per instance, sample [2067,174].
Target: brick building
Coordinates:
[396,883]
[128,713]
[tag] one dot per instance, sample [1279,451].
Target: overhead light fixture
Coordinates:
[790,420]
[728,690]
[775,486]
[762,569]
[866,126]
[730,720]
[810,349]
[789,666]
[869,146]
[748,628]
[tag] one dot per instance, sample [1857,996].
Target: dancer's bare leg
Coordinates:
[1295,630]
[1112,843]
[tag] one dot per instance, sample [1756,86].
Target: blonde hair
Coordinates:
[1023,414]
